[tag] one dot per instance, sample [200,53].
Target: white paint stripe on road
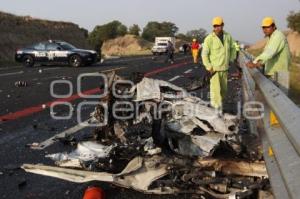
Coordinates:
[54,139]
[188,71]
[53,68]
[14,73]
[174,78]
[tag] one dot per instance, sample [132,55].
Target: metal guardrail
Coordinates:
[281,143]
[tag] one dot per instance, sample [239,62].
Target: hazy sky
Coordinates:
[242,17]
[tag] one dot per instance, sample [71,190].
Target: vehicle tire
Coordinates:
[75,61]
[28,61]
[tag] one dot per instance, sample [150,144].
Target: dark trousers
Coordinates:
[170,57]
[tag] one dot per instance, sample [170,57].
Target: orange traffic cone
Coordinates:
[93,193]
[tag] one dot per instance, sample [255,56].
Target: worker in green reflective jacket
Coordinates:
[276,56]
[237,49]
[218,50]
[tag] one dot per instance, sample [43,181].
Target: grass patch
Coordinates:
[294,93]
[8,63]
[296,59]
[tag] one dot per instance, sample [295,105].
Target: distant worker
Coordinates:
[185,48]
[218,50]
[237,49]
[276,55]
[195,50]
[98,49]
[170,52]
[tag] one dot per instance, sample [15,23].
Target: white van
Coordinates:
[160,45]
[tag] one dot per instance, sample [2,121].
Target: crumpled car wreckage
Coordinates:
[155,137]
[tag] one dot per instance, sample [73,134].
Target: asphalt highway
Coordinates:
[25,118]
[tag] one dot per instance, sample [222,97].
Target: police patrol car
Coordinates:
[55,52]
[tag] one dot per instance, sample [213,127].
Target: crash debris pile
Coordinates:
[157,138]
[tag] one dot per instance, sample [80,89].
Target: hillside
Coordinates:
[130,45]
[19,31]
[126,45]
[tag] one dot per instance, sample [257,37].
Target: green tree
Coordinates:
[134,30]
[121,30]
[183,37]
[198,34]
[293,20]
[155,29]
[105,32]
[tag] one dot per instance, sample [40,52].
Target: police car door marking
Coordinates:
[61,54]
[40,54]
[50,55]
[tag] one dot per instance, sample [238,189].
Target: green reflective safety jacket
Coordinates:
[237,47]
[217,55]
[276,55]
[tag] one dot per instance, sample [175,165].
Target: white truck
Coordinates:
[160,45]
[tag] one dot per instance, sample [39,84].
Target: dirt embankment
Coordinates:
[130,45]
[19,31]
[293,40]
[126,45]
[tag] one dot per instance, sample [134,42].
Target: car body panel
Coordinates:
[56,52]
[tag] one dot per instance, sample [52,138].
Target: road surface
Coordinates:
[25,118]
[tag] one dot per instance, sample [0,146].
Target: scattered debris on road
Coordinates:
[154,137]
[35,144]
[68,140]
[21,84]
[22,183]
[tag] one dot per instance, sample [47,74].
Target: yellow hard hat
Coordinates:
[194,40]
[217,21]
[267,21]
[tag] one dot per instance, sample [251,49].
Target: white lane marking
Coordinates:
[50,68]
[54,138]
[174,78]
[188,71]
[14,73]
[51,77]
